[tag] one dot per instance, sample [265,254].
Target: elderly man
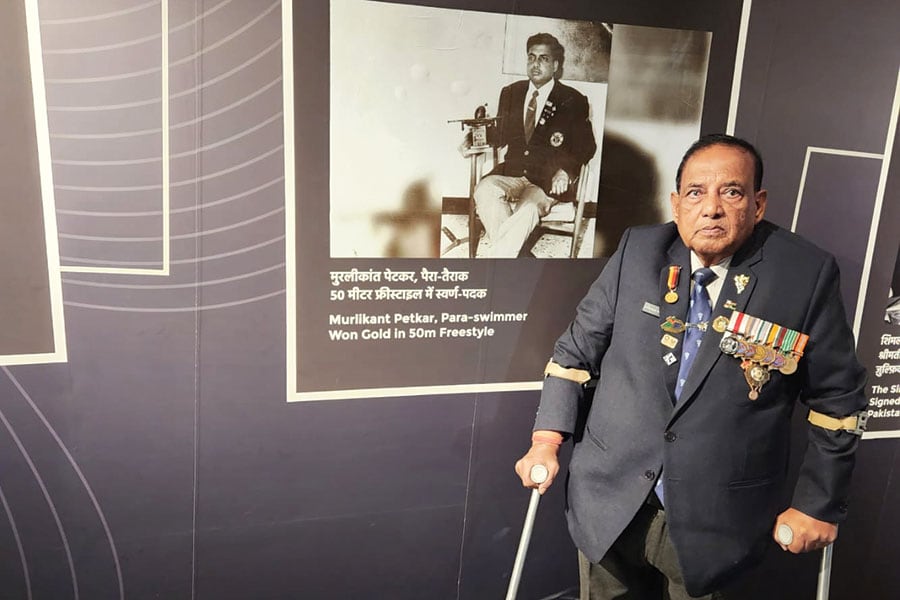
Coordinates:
[546,128]
[703,333]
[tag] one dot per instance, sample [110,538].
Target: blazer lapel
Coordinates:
[517,108]
[736,291]
[550,107]
[679,256]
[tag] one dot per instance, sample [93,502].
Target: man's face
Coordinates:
[716,207]
[541,65]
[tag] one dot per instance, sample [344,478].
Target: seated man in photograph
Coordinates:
[546,128]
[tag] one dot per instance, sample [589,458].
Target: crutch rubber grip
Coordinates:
[538,474]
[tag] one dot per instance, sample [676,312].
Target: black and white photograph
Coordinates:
[436,152]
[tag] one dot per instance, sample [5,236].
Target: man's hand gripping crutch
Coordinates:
[537,469]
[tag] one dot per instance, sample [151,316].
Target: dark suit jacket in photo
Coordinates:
[563,137]
[724,457]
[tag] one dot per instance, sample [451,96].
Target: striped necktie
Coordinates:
[698,316]
[529,116]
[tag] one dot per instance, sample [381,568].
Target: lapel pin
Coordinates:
[669,358]
[740,282]
[669,341]
[650,309]
[730,305]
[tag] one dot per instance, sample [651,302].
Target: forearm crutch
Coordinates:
[538,475]
[823,585]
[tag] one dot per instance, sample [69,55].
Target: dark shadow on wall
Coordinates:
[416,227]
[628,192]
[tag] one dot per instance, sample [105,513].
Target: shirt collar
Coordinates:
[720,268]
[543,91]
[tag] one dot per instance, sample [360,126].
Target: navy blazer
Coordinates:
[562,139]
[724,457]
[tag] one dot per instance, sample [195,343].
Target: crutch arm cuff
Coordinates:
[579,376]
[855,424]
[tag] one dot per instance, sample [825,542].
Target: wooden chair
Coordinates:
[567,218]
[564,219]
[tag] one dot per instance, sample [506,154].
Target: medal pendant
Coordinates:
[672,282]
[729,345]
[790,365]
[720,324]
[745,349]
[759,352]
[756,376]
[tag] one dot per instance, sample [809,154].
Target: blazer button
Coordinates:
[670,436]
[526,153]
[525,171]
[649,475]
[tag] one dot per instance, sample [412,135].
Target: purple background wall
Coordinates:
[162,460]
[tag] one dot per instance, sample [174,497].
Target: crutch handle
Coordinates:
[785,534]
[538,474]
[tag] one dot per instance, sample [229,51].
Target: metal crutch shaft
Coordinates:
[538,474]
[823,587]
[823,583]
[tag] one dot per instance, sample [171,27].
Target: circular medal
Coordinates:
[671,297]
[720,324]
[759,352]
[744,349]
[790,364]
[759,374]
[728,345]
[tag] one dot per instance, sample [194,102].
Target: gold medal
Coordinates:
[720,324]
[672,282]
[756,376]
[790,365]
[759,352]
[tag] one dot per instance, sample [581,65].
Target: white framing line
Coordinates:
[42,134]
[166,226]
[873,233]
[880,435]
[810,150]
[290,246]
[290,239]
[876,211]
[383,392]
[738,67]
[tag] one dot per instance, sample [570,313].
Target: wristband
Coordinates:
[538,438]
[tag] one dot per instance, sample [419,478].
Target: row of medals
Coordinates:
[761,345]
